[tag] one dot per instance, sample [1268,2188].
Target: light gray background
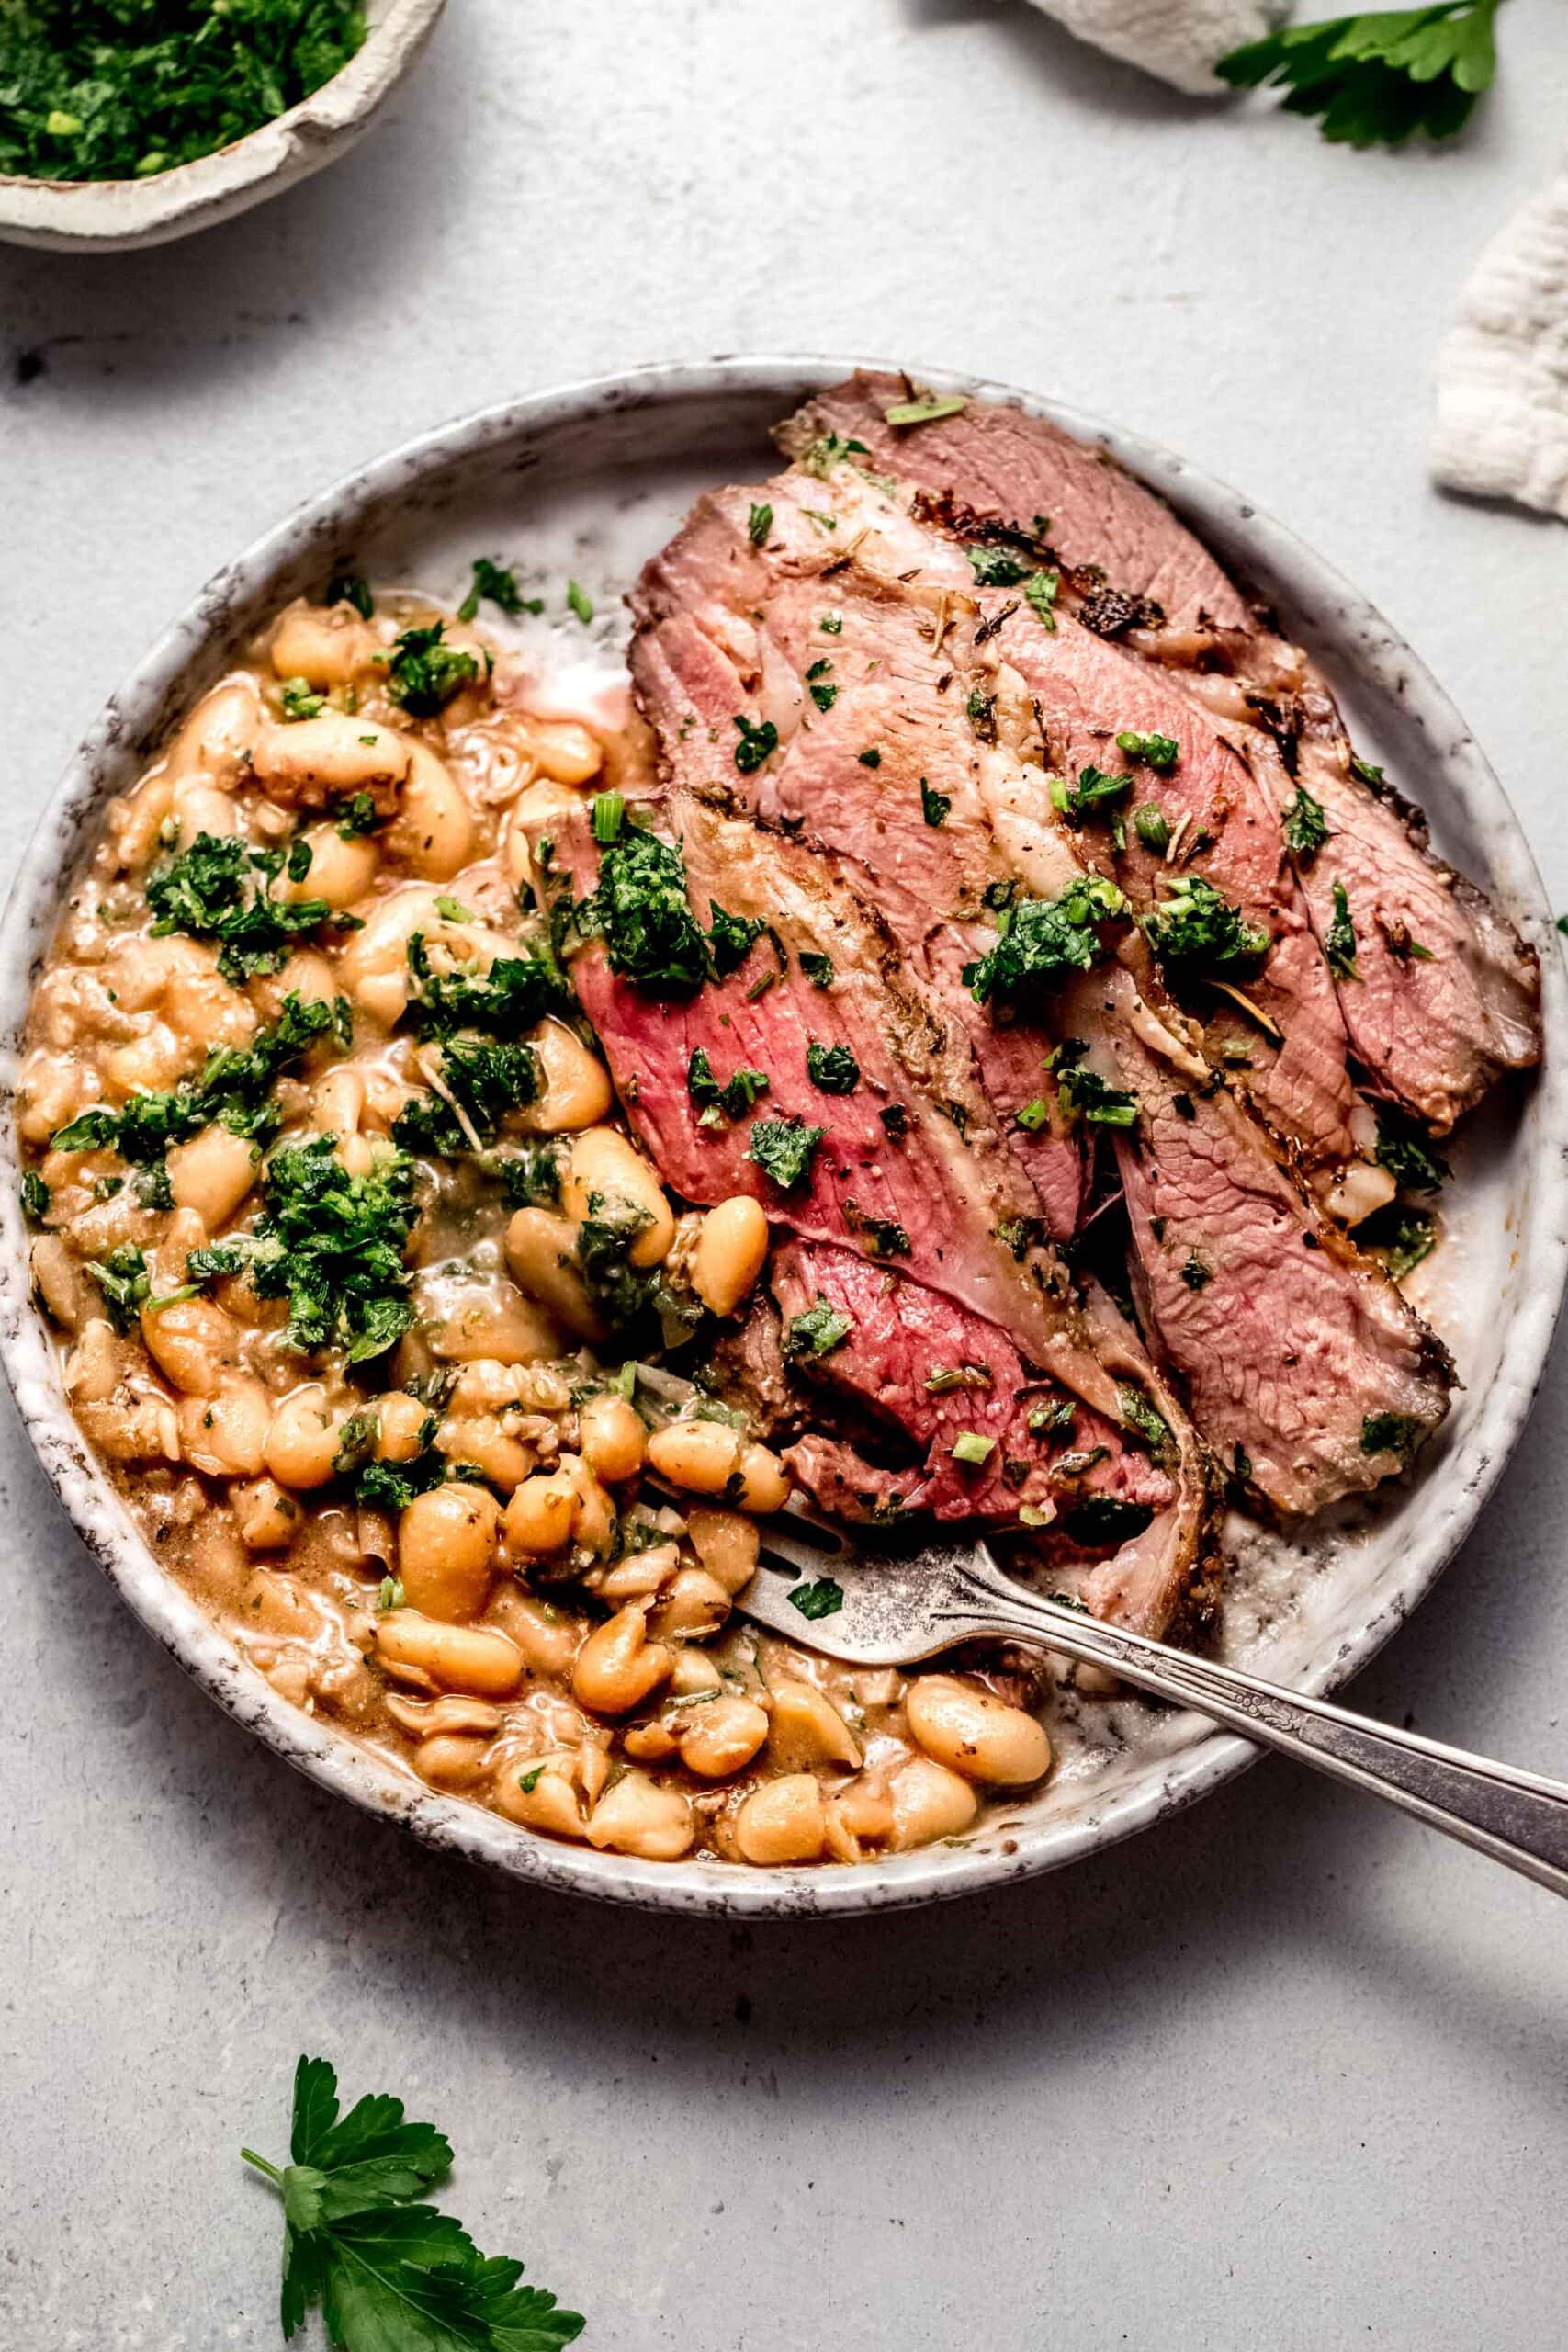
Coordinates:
[1285,2072]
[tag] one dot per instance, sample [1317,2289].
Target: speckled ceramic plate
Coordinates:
[585,483]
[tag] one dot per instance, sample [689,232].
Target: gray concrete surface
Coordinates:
[1285,2074]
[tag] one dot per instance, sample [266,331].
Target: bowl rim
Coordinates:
[149,699]
[105,213]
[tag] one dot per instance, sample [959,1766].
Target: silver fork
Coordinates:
[896,1609]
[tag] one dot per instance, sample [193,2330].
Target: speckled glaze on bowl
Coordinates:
[586,480]
[114,216]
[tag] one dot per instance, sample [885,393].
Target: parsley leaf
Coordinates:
[300,700]
[1084,1095]
[1379,77]
[122,1278]
[1040,591]
[425,672]
[390,2274]
[1307,828]
[935,806]
[1405,1149]
[349,588]
[640,911]
[1094,790]
[234,1089]
[756,743]
[731,938]
[1391,1434]
[1401,1236]
[1339,939]
[783,1150]
[759,524]
[817,1331]
[731,1100]
[35,1195]
[510,998]
[216,889]
[1158,752]
[1039,941]
[825,1598]
[1199,929]
[495,583]
[832,1069]
[580,602]
[996,567]
[819,969]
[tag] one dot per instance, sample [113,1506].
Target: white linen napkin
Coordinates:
[1176,39]
[1501,428]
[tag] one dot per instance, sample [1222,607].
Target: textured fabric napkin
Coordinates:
[1177,39]
[1502,373]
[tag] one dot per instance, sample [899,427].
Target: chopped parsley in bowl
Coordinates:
[125,89]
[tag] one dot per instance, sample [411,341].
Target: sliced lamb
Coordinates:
[907,1163]
[1431,1030]
[1003,469]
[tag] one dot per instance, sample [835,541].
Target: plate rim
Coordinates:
[144,704]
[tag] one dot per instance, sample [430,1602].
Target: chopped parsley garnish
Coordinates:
[579,602]
[216,889]
[1094,790]
[980,709]
[1040,940]
[529,1175]
[731,938]
[299,699]
[331,1243]
[1198,929]
[1391,1434]
[481,1080]
[1158,752]
[1140,1421]
[609,809]
[1196,1274]
[832,1069]
[122,1278]
[36,1196]
[640,911]
[1365,772]
[879,1236]
[819,969]
[1339,939]
[757,743]
[718,1103]
[233,1089]
[824,694]
[817,1331]
[390,2274]
[425,673]
[1307,828]
[871,759]
[823,1598]
[1084,1095]
[758,523]
[1040,593]
[356,815]
[1405,1149]
[1150,824]
[783,1150]
[508,1000]
[1400,1236]
[926,408]
[1033,1114]
[970,1447]
[350,588]
[995,567]
[1098,1521]
[494,583]
[935,806]
[125,89]
[831,625]
[826,452]
[605,1242]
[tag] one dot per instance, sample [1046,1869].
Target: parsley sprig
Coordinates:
[390,2274]
[1378,77]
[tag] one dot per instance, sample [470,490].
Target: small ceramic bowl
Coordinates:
[586,483]
[112,216]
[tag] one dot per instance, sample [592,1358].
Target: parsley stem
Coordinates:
[262,2164]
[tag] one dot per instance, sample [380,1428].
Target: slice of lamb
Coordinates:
[938,1194]
[1151,1508]
[1432,1034]
[1018,472]
[870,731]
[900,1339]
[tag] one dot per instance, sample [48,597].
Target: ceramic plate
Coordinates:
[585,483]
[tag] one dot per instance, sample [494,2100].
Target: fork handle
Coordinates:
[1520,1818]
